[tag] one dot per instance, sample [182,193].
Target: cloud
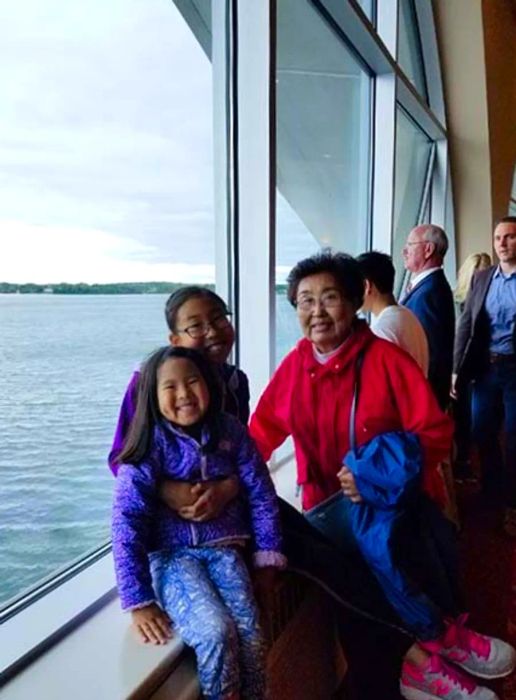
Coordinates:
[106,126]
[60,254]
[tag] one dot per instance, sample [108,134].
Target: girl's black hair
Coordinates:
[147,414]
[343,267]
[182,295]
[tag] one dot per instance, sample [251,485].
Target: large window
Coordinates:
[106,170]
[411,201]
[323,130]
[410,55]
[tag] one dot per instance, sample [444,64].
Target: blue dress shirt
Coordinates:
[501,309]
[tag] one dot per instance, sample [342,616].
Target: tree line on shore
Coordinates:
[83,288]
[111,288]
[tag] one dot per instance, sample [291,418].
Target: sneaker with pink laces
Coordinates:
[483,656]
[439,680]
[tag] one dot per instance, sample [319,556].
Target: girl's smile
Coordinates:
[183,397]
[202,324]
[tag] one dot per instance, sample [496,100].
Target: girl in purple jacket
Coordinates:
[187,571]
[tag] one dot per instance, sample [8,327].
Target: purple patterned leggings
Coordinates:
[208,594]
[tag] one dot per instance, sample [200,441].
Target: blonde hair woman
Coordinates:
[462,406]
[474,262]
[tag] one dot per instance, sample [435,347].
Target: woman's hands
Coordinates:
[152,625]
[348,486]
[199,502]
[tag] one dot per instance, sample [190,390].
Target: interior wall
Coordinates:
[499,18]
[477,47]
[459,27]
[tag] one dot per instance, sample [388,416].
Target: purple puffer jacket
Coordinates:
[143,524]
[235,395]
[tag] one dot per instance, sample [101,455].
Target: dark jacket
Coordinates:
[471,352]
[432,302]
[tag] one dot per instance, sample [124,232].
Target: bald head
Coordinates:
[426,247]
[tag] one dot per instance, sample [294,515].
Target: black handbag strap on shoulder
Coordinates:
[356,391]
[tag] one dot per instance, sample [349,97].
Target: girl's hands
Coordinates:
[152,625]
[348,486]
[211,497]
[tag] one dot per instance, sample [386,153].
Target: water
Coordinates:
[65,362]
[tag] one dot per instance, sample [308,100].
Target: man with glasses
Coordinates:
[430,298]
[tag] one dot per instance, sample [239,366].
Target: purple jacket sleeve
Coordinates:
[263,503]
[125,416]
[133,510]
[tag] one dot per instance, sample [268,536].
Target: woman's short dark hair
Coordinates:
[345,270]
[182,295]
[147,414]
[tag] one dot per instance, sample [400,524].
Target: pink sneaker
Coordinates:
[483,656]
[438,680]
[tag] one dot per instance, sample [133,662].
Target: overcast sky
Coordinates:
[106,153]
[105,143]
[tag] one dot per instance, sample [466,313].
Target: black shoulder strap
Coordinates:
[356,390]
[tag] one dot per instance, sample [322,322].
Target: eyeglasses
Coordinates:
[202,328]
[408,243]
[327,300]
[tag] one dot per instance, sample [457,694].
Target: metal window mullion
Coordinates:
[384,162]
[224,157]
[387,24]
[431,61]
[427,185]
[256,187]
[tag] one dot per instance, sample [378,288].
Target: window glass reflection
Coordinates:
[322,146]
[413,150]
[410,55]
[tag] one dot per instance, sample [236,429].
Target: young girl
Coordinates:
[196,318]
[194,570]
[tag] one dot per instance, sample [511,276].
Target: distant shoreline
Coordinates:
[110,288]
[83,288]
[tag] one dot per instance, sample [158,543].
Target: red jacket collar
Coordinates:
[360,338]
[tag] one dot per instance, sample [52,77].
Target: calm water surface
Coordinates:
[65,362]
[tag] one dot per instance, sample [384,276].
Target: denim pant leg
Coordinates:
[230,576]
[507,378]
[486,408]
[462,417]
[185,591]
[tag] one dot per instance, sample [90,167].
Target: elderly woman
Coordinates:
[310,397]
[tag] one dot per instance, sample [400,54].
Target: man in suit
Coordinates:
[485,353]
[430,298]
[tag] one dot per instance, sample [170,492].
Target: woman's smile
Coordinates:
[324,313]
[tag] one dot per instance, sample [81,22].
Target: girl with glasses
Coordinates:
[197,318]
